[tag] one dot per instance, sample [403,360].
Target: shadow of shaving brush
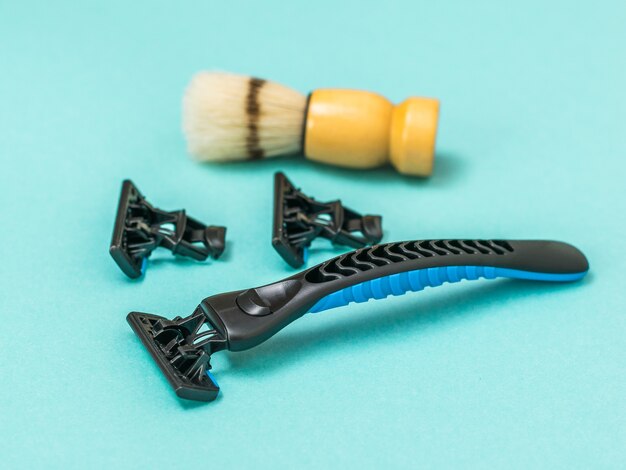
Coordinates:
[235,117]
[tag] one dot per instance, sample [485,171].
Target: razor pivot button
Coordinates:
[251,302]
[262,301]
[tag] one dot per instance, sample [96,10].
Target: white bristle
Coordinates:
[237,117]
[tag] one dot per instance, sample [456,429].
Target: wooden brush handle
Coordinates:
[360,129]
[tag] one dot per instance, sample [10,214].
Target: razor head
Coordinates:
[299,219]
[182,349]
[140,228]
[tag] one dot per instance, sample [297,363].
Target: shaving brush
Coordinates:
[235,117]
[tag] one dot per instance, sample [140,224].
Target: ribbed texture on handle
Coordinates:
[412,281]
[401,283]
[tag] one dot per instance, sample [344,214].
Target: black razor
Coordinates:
[299,219]
[242,319]
[140,228]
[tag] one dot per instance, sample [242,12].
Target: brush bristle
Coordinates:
[237,117]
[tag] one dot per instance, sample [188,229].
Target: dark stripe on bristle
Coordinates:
[253,111]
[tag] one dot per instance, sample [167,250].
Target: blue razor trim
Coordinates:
[413,281]
[212,377]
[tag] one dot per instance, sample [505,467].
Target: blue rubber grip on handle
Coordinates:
[419,279]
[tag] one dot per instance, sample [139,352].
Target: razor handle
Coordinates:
[242,319]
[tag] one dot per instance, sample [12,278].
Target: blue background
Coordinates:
[483,374]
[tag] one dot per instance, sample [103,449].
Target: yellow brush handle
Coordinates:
[360,129]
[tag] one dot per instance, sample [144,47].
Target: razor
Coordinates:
[299,219]
[140,228]
[242,319]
